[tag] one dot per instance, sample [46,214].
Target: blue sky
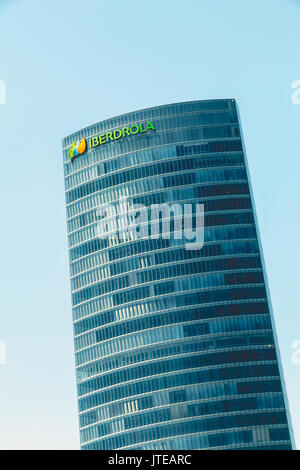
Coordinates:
[67,64]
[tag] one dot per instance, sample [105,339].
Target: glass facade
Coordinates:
[175,348]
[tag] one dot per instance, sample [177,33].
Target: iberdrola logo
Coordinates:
[77,148]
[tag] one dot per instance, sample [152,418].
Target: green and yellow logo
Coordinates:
[77,148]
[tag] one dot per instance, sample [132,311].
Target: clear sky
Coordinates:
[69,63]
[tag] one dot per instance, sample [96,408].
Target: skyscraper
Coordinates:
[175,348]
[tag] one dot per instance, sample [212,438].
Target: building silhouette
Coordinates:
[175,348]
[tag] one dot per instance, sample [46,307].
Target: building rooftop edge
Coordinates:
[144,109]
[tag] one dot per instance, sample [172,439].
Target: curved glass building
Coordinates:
[175,347]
